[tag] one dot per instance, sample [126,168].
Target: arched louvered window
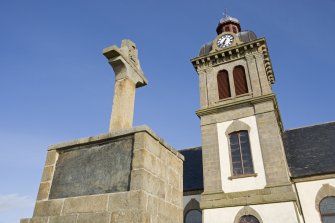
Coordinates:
[223,84]
[193,216]
[240,80]
[248,219]
[327,210]
[240,153]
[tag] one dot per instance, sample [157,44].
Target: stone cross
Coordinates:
[128,77]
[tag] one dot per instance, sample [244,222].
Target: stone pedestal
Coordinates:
[129,176]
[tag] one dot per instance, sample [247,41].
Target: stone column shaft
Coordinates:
[123,105]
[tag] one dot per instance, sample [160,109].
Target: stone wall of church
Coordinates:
[311,192]
[275,213]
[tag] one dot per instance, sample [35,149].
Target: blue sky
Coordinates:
[57,86]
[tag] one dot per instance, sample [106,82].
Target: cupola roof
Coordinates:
[227,19]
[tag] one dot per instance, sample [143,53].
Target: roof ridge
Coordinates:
[309,126]
[190,148]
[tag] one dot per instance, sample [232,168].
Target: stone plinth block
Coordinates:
[128,176]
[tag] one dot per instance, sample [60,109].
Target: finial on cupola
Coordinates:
[228,24]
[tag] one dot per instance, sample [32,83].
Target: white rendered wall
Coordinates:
[307,192]
[187,199]
[241,184]
[269,213]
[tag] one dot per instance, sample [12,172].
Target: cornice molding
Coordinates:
[193,192]
[243,102]
[253,48]
[313,178]
[251,197]
[236,103]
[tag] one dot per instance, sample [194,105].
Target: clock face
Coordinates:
[225,40]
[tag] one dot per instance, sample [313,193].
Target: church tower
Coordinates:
[245,172]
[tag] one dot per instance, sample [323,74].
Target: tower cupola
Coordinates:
[228,24]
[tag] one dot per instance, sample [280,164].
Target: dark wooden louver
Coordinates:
[240,80]
[223,84]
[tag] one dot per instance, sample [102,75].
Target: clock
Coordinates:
[225,41]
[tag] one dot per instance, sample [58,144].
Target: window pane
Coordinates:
[240,153]
[237,160]
[237,165]
[237,171]
[246,157]
[327,209]
[243,133]
[193,216]
[244,137]
[328,219]
[246,153]
[327,205]
[248,170]
[235,154]
[235,151]
[248,219]
[233,138]
[247,163]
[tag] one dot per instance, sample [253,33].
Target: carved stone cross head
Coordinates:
[128,77]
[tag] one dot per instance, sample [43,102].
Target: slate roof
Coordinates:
[310,150]
[193,176]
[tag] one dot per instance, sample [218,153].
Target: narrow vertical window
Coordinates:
[241,153]
[240,80]
[223,84]
[234,29]
[327,210]
[226,29]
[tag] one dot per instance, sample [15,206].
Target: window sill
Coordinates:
[243,95]
[235,97]
[224,99]
[242,176]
